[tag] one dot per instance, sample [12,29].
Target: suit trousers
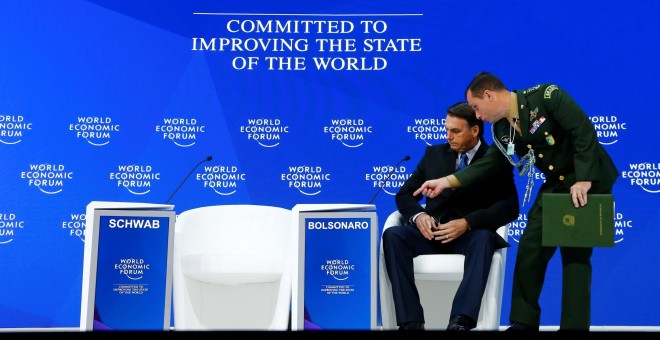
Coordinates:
[403,243]
[529,273]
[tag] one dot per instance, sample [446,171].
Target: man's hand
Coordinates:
[579,193]
[451,230]
[426,225]
[433,187]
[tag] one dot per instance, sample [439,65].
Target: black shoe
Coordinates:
[460,323]
[411,326]
[517,326]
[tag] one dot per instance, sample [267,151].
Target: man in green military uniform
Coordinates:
[547,130]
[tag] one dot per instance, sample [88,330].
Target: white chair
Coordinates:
[231,268]
[437,278]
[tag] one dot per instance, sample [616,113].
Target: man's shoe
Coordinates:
[411,326]
[460,323]
[517,326]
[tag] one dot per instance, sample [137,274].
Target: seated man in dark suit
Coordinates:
[462,221]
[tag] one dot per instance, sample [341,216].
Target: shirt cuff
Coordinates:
[412,219]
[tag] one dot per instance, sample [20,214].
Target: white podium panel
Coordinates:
[127,272]
[335,280]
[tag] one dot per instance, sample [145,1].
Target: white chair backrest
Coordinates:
[231,268]
[234,229]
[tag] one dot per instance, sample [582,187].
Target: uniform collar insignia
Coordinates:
[532,89]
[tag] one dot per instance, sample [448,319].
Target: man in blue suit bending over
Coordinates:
[460,221]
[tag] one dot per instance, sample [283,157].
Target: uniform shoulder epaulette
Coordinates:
[532,89]
[547,94]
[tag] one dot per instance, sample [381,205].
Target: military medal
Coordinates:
[536,124]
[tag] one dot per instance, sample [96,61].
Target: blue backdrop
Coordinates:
[297,102]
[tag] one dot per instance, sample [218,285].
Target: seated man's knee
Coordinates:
[482,239]
[395,234]
[482,235]
[388,234]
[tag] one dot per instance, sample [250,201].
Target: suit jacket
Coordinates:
[487,206]
[562,137]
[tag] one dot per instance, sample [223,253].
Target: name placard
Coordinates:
[337,280]
[128,281]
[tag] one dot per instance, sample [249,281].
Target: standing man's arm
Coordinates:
[482,170]
[504,208]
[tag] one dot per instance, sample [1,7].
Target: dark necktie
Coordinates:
[463,163]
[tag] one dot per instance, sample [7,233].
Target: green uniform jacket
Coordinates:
[562,138]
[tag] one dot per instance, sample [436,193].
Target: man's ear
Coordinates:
[475,130]
[490,95]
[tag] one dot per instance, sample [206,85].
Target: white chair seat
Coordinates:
[427,267]
[230,269]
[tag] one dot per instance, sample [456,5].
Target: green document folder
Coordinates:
[589,226]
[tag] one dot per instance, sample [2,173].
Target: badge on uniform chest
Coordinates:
[510,148]
[550,140]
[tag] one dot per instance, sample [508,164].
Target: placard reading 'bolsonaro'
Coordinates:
[339,286]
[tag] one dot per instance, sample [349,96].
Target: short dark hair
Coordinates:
[463,110]
[484,81]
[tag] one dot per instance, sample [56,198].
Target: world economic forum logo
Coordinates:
[75,225]
[97,131]
[266,132]
[349,132]
[338,269]
[388,177]
[48,178]
[183,132]
[517,227]
[621,225]
[12,128]
[429,130]
[137,179]
[9,225]
[306,179]
[133,269]
[608,128]
[222,179]
[644,175]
